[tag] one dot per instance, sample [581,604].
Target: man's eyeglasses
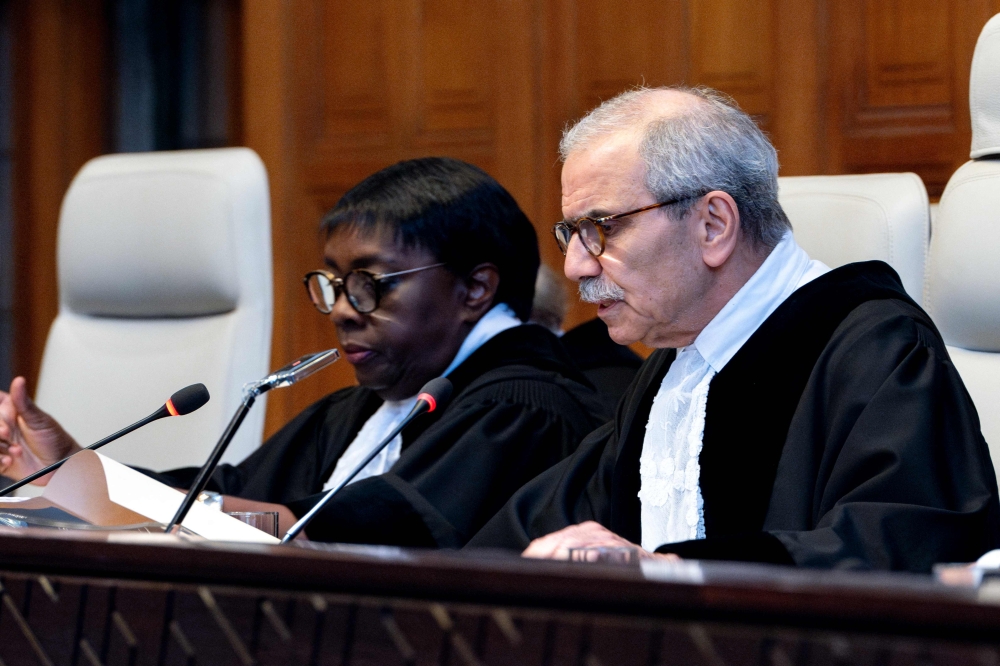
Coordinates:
[363,288]
[592,229]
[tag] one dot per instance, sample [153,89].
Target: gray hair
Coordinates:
[712,146]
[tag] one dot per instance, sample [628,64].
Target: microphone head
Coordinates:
[293,372]
[436,393]
[187,400]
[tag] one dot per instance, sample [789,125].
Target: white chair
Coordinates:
[164,264]
[963,266]
[844,219]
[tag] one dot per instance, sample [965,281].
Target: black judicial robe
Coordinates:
[519,406]
[609,366]
[840,435]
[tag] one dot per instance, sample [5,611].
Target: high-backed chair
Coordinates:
[963,265]
[843,219]
[164,264]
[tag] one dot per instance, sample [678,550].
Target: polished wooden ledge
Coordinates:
[897,604]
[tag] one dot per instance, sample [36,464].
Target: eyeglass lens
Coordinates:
[361,291]
[360,288]
[321,292]
[590,235]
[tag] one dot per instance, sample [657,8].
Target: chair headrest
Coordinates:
[984,91]
[844,219]
[963,274]
[162,234]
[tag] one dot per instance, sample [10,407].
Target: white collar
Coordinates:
[787,268]
[497,320]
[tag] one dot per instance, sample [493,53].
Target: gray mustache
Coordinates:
[600,288]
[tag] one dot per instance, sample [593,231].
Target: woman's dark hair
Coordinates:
[453,210]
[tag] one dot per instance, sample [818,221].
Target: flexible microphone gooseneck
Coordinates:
[434,394]
[185,401]
[286,376]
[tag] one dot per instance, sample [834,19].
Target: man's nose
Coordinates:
[579,263]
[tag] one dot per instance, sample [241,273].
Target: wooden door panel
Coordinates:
[618,45]
[732,50]
[899,85]
[456,100]
[908,53]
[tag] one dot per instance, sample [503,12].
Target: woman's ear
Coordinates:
[481,288]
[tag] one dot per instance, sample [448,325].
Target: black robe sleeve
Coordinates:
[455,475]
[884,465]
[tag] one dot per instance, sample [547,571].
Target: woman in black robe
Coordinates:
[430,264]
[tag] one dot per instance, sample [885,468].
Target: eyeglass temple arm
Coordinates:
[383,276]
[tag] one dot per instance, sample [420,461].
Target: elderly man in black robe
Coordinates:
[792,414]
[430,270]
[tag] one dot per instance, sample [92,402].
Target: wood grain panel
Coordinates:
[352,63]
[622,44]
[455,96]
[60,121]
[732,50]
[900,72]
[908,53]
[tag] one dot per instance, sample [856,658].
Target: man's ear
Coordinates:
[481,288]
[719,227]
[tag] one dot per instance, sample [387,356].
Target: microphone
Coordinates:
[435,393]
[185,401]
[295,371]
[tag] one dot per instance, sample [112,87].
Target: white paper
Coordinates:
[671,571]
[990,560]
[137,492]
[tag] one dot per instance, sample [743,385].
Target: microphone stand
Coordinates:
[185,401]
[96,445]
[294,530]
[205,473]
[291,373]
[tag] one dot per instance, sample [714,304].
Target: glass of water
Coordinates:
[265,521]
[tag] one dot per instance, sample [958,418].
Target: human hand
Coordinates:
[590,534]
[30,439]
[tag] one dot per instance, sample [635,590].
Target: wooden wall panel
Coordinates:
[732,50]
[899,76]
[60,121]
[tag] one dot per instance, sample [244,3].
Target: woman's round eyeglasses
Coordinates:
[593,229]
[363,288]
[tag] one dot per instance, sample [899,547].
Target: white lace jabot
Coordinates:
[669,469]
[392,412]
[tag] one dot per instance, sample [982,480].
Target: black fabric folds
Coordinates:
[840,432]
[609,366]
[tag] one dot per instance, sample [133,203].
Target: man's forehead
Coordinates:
[601,174]
[610,165]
